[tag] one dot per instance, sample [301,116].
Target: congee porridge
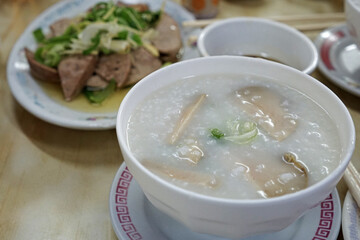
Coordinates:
[234,136]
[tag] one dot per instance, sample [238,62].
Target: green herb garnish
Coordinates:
[216,133]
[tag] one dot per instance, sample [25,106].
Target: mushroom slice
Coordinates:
[192,177]
[186,117]
[280,178]
[291,158]
[264,106]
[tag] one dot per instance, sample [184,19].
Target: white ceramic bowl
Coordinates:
[229,217]
[259,37]
[352,12]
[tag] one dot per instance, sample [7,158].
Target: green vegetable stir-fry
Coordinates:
[104,29]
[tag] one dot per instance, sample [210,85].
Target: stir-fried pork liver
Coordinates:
[74,71]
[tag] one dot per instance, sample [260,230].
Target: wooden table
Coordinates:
[55,182]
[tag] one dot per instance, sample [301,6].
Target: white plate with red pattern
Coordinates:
[339,58]
[134,218]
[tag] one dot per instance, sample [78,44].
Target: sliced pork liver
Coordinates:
[39,70]
[114,66]
[143,63]
[97,82]
[74,71]
[168,39]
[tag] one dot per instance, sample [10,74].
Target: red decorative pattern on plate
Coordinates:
[322,233]
[326,46]
[122,209]
[326,219]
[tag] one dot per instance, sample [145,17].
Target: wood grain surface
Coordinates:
[55,182]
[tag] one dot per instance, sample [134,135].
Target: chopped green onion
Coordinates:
[136,39]
[216,133]
[132,18]
[122,21]
[243,138]
[59,39]
[109,13]
[122,35]
[101,95]
[39,35]
[241,133]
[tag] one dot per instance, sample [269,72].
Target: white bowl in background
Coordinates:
[234,218]
[352,12]
[259,37]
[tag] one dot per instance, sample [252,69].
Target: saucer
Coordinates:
[339,58]
[133,217]
[350,218]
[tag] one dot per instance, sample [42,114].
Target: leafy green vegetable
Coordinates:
[39,35]
[239,132]
[100,95]
[216,133]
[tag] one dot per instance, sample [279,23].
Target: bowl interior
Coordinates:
[241,65]
[259,37]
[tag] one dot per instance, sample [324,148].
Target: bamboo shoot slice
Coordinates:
[277,181]
[186,117]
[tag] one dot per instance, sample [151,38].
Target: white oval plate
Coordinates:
[31,96]
[339,58]
[350,218]
[133,217]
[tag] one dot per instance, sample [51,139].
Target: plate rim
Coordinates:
[334,79]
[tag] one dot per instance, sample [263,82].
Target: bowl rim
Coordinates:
[267,22]
[309,191]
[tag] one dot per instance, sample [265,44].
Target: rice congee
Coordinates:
[234,136]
